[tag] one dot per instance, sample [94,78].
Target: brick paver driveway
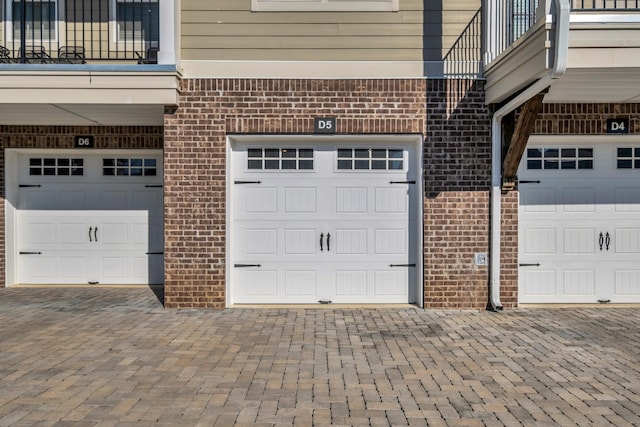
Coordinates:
[116,357]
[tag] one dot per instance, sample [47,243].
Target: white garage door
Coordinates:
[89,218]
[328,222]
[579,223]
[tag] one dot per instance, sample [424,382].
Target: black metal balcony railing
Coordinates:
[80,31]
[464,59]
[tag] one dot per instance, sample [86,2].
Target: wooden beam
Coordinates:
[524,127]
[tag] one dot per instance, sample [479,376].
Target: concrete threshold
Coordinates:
[318,306]
[581,305]
[82,285]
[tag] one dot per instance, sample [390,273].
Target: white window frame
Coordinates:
[131,44]
[9,24]
[325,6]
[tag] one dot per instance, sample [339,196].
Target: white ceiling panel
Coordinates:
[81,114]
[615,85]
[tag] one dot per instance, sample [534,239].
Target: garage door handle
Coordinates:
[601,240]
[95,234]
[607,241]
[321,238]
[30,253]
[328,242]
[90,230]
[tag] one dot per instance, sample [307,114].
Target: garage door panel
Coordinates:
[315,232]
[72,268]
[73,234]
[538,199]
[579,199]
[40,233]
[114,234]
[38,268]
[298,199]
[578,282]
[300,282]
[38,199]
[300,241]
[259,283]
[390,283]
[391,200]
[259,200]
[96,228]
[112,200]
[261,241]
[597,228]
[579,241]
[627,283]
[351,199]
[71,200]
[538,282]
[391,242]
[540,241]
[627,199]
[627,240]
[351,282]
[350,241]
[115,268]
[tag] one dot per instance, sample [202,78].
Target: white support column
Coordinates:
[167,53]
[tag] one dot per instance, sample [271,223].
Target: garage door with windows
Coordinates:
[579,221]
[329,221]
[88,218]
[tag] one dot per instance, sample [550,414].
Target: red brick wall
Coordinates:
[585,119]
[123,137]
[457,200]
[195,154]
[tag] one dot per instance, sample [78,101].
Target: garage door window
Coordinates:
[129,167]
[628,157]
[48,166]
[554,158]
[370,159]
[280,159]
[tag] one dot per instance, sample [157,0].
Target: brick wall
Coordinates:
[123,137]
[195,154]
[585,119]
[457,200]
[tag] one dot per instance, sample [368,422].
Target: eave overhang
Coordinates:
[86,95]
[603,62]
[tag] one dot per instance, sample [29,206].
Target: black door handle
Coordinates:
[95,234]
[328,242]
[601,240]
[607,240]
[321,237]
[90,229]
